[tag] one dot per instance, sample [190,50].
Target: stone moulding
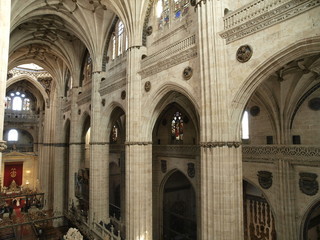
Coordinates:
[261,14]
[112,87]
[169,62]
[220,144]
[85,97]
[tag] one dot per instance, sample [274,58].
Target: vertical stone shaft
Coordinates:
[138,158]
[74,147]
[5,11]
[99,159]
[221,166]
[286,222]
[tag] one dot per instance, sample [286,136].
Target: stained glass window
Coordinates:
[177,127]
[119,40]
[17,103]
[181,8]
[26,104]
[13,135]
[114,135]
[163,13]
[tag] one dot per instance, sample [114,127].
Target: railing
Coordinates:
[114,211]
[173,150]
[171,49]
[19,147]
[251,11]
[20,116]
[261,14]
[301,153]
[106,231]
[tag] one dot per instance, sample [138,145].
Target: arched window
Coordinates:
[13,135]
[119,40]
[17,101]
[245,125]
[170,9]
[177,127]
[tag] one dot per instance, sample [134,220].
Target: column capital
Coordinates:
[220,144]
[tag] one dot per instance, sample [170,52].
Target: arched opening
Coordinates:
[117,170]
[311,227]
[175,137]
[179,208]
[258,218]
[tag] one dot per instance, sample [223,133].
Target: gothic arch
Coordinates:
[299,49]
[172,94]
[304,221]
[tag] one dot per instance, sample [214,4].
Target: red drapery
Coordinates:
[13,171]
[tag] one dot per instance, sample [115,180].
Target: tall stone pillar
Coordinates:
[138,157]
[221,163]
[75,146]
[286,221]
[99,158]
[5,12]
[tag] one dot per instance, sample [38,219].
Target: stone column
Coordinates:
[5,12]
[99,158]
[75,146]
[138,157]
[285,219]
[221,163]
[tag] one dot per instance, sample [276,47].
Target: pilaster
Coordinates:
[285,218]
[138,157]
[221,163]
[99,158]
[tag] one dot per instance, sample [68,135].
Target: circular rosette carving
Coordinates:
[244,53]
[187,73]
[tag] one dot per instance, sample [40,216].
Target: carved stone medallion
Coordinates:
[103,102]
[308,183]
[187,73]
[147,86]
[163,166]
[244,53]
[191,170]
[265,179]
[79,111]
[123,95]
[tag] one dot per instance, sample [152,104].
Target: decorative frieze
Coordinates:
[84,97]
[99,143]
[281,151]
[138,143]
[261,14]
[105,89]
[34,74]
[169,62]
[220,144]
[176,150]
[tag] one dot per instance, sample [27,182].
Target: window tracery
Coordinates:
[17,101]
[119,40]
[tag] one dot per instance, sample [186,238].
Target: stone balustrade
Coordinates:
[260,14]
[21,116]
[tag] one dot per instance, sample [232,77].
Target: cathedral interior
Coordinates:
[160,119]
